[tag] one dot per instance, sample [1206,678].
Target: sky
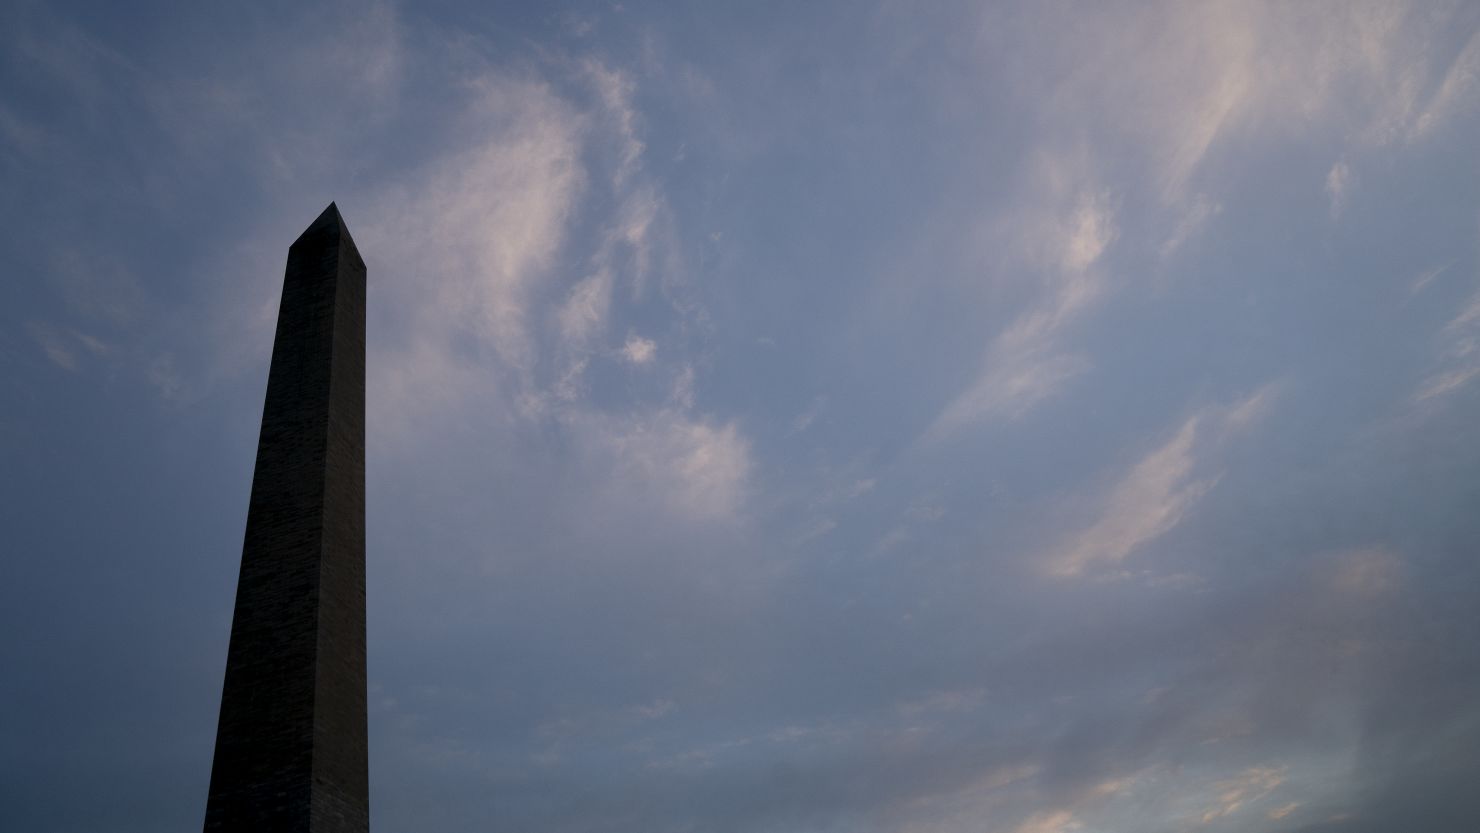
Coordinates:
[884,417]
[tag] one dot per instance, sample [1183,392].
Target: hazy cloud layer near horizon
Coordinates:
[1032,417]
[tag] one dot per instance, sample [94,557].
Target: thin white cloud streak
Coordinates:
[1052,821]
[616,89]
[54,346]
[1459,354]
[1023,790]
[1153,495]
[1248,787]
[1449,381]
[1458,88]
[1282,811]
[1147,502]
[1338,184]
[1026,363]
[65,346]
[1422,282]
[918,515]
[806,418]
[1197,213]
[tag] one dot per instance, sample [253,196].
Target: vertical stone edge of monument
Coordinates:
[341,772]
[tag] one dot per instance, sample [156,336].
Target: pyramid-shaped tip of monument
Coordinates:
[329,221]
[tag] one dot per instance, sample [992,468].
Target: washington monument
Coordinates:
[291,747]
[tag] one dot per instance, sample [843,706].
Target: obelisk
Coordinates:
[291,746]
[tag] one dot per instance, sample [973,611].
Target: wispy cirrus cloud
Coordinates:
[62,347]
[487,312]
[1459,352]
[1052,821]
[1185,78]
[477,235]
[1145,503]
[1457,88]
[1154,111]
[693,466]
[1026,363]
[1152,495]
[1339,183]
[1248,787]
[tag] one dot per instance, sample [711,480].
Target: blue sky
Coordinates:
[1033,417]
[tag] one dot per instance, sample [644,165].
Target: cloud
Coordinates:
[1195,216]
[1174,102]
[570,498]
[1013,383]
[1338,184]
[55,346]
[1185,78]
[166,379]
[97,288]
[475,236]
[656,709]
[499,257]
[64,346]
[1366,574]
[20,136]
[1090,230]
[1456,89]
[1147,501]
[1446,382]
[584,313]
[471,247]
[1177,83]
[474,239]
[1427,277]
[1282,811]
[303,98]
[1180,83]
[921,513]
[1053,821]
[805,419]
[695,467]
[616,88]
[820,528]
[1025,363]
[1153,495]
[1459,354]
[639,350]
[1248,787]
[1175,78]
